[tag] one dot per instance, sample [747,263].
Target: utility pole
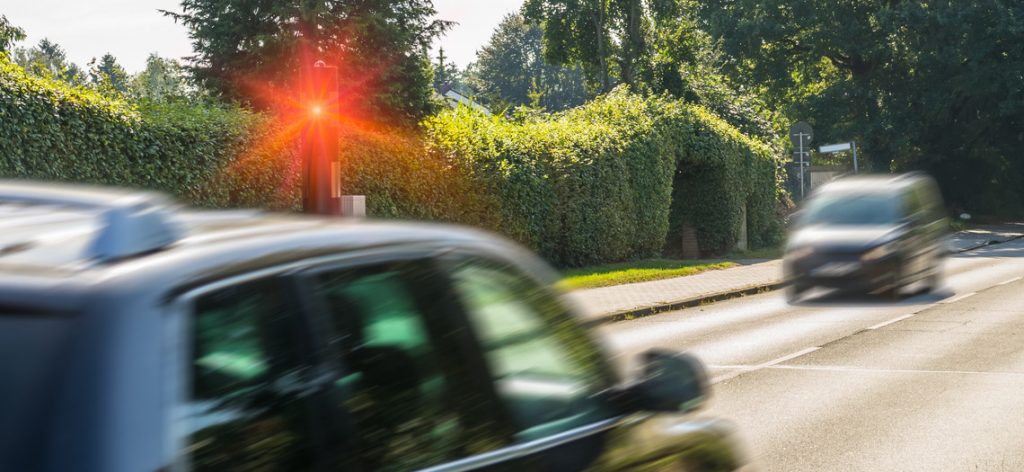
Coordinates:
[855,169]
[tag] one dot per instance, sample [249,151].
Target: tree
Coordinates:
[108,76]
[245,47]
[510,71]
[48,59]
[655,46]
[445,72]
[577,32]
[9,35]
[162,80]
[935,85]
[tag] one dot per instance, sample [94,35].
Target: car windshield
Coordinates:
[853,209]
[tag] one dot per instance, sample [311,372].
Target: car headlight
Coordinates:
[800,252]
[879,252]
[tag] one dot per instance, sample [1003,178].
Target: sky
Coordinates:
[132,29]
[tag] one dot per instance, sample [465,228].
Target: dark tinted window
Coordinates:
[543,365]
[245,411]
[408,383]
[31,350]
[854,209]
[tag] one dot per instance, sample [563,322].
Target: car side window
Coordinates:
[244,412]
[544,367]
[405,387]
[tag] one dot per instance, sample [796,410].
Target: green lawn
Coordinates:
[631,272]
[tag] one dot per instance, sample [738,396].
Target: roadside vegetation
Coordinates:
[618,177]
[633,272]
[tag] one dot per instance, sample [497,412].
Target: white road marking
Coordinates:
[961,297]
[887,323]
[745,369]
[833,368]
[1008,282]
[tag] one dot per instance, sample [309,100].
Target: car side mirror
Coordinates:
[794,218]
[669,382]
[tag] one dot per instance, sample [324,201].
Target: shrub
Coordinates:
[606,182]
[50,131]
[597,183]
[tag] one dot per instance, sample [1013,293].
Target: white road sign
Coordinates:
[835,148]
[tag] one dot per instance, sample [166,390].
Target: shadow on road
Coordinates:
[839,298]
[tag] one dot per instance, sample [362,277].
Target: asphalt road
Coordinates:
[933,382]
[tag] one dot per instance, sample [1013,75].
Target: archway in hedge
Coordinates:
[707,211]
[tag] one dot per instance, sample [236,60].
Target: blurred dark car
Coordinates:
[135,336]
[872,234]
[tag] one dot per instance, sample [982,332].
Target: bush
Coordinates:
[597,183]
[50,131]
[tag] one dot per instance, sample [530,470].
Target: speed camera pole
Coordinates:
[321,190]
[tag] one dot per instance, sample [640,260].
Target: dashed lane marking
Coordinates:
[746,369]
[1008,282]
[887,323]
[961,297]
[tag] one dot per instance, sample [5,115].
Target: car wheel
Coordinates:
[934,280]
[895,289]
[793,292]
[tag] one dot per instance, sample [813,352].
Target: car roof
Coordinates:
[878,183]
[52,230]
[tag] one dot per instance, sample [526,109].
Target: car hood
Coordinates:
[847,237]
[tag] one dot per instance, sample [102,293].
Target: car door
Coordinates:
[408,392]
[240,360]
[544,368]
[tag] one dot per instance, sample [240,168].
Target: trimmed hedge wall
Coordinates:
[49,131]
[594,184]
[598,183]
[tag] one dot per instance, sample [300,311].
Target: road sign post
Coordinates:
[801,134]
[842,147]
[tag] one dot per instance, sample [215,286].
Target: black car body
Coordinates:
[138,337]
[873,234]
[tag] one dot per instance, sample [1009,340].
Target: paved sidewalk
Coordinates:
[605,303]
[984,235]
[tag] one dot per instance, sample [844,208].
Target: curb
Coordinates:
[644,311]
[992,242]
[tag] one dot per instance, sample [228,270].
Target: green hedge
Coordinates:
[605,182]
[598,183]
[50,131]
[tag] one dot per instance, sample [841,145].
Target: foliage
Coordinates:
[50,131]
[930,85]
[213,155]
[595,184]
[49,60]
[108,76]
[633,272]
[654,46]
[163,80]
[246,47]
[510,71]
[446,72]
[9,34]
